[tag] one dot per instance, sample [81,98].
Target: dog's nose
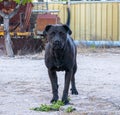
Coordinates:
[57,42]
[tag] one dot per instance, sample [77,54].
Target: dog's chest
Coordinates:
[59,63]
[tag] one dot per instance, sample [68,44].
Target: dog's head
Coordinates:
[57,35]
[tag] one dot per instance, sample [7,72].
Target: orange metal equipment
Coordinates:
[21,21]
[45,19]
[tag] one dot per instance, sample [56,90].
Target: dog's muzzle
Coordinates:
[57,44]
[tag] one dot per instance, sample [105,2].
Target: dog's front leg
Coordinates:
[68,76]
[53,79]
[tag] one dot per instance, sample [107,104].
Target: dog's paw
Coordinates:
[65,101]
[54,99]
[74,92]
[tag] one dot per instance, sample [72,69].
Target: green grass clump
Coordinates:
[54,107]
[43,107]
[70,109]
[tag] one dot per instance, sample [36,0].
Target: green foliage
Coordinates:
[43,107]
[54,107]
[24,1]
[70,109]
[93,46]
[18,1]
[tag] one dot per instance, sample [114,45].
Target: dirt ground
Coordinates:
[24,84]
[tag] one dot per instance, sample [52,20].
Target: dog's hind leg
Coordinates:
[54,83]
[73,86]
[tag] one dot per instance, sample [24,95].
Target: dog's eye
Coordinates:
[52,33]
[61,33]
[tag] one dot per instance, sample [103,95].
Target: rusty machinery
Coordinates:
[26,27]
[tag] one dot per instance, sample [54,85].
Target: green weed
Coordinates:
[53,107]
[43,107]
[70,109]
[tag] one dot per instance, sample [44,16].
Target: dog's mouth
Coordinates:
[57,45]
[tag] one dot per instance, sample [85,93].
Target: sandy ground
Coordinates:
[24,84]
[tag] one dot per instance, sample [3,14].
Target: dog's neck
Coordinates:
[58,53]
[58,56]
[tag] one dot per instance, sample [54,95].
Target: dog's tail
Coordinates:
[68,15]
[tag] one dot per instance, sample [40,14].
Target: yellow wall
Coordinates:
[92,20]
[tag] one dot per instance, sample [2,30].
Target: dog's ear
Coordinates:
[67,29]
[46,29]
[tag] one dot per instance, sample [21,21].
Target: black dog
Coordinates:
[60,55]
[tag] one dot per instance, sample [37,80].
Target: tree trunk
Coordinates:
[8,43]
[6,18]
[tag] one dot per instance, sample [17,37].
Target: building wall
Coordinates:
[92,20]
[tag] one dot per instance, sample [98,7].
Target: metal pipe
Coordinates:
[98,43]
